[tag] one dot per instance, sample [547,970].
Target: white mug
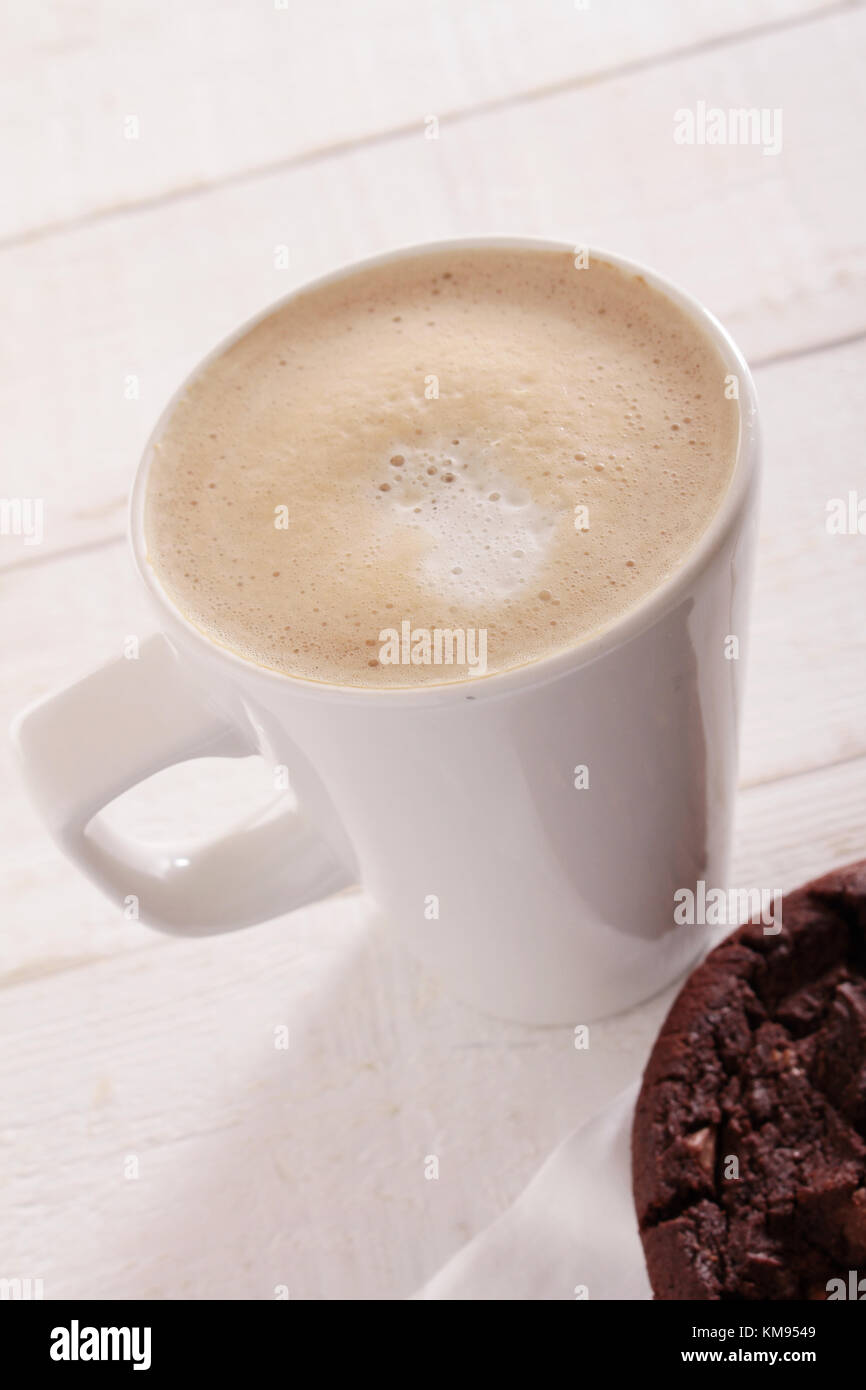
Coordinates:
[457,807]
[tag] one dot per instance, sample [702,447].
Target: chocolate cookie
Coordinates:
[749,1141]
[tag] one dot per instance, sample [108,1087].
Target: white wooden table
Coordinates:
[154,156]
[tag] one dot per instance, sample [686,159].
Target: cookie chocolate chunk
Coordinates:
[749,1141]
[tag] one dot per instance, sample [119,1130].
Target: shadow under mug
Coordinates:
[454,806]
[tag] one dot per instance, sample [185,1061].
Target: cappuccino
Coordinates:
[459,452]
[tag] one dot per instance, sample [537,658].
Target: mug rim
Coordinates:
[616,633]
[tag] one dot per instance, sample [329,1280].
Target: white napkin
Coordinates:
[572,1229]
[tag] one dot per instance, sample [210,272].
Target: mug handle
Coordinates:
[83,747]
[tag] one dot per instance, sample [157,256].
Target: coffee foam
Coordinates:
[483,534]
[431,427]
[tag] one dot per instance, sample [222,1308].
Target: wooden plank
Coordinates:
[807,663]
[224,89]
[103,323]
[304,1167]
